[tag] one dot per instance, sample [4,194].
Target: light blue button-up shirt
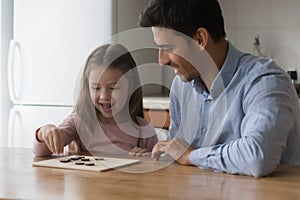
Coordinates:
[247,124]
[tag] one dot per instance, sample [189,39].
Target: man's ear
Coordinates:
[201,37]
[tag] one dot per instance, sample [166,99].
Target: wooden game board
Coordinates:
[93,164]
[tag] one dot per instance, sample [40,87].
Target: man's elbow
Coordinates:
[260,167]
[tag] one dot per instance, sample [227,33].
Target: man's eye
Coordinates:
[166,48]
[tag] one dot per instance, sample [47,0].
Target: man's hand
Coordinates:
[177,148]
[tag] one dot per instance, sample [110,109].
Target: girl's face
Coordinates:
[108,92]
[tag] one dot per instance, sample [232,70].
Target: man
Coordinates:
[230,111]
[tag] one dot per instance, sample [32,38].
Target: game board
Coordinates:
[88,163]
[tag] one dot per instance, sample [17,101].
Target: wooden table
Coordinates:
[19,180]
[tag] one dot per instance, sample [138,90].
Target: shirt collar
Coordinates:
[198,84]
[224,76]
[227,71]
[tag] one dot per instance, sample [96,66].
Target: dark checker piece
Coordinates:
[65,160]
[79,163]
[75,158]
[89,163]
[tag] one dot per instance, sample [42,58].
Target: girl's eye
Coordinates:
[95,88]
[114,87]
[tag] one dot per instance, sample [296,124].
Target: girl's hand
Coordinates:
[53,137]
[137,151]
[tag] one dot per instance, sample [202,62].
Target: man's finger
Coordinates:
[176,148]
[158,149]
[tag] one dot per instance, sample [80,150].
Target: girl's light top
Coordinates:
[103,138]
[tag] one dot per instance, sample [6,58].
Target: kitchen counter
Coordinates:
[156,111]
[158,103]
[297,87]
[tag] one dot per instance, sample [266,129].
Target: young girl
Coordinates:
[108,115]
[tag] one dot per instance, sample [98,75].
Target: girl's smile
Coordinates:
[106,107]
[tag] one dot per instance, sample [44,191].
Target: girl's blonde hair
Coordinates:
[113,56]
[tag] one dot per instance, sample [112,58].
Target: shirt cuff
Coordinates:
[36,134]
[199,157]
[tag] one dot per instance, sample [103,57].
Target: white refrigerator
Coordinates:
[51,40]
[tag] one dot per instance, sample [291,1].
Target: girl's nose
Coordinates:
[104,94]
[163,57]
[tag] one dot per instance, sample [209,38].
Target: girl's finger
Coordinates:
[140,152]
[51,145]
[134,151]
[146,154]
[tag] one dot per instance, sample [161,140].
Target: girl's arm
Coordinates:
[50,139]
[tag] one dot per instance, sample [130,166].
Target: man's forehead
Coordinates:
[163,35]
[162,30]
[169,37]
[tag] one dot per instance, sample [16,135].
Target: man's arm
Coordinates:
[269,118]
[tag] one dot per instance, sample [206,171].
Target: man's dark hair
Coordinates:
[185,16]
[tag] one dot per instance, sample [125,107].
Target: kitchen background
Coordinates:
[276,22]
[44,44]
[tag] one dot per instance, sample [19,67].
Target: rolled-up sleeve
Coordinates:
[269,117]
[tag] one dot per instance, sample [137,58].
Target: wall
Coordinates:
[277,22]
[147,57]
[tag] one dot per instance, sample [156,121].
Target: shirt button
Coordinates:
[204,130]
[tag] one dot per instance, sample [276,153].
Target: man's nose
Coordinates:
[163,57]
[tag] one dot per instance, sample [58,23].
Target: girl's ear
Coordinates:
[201,37]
